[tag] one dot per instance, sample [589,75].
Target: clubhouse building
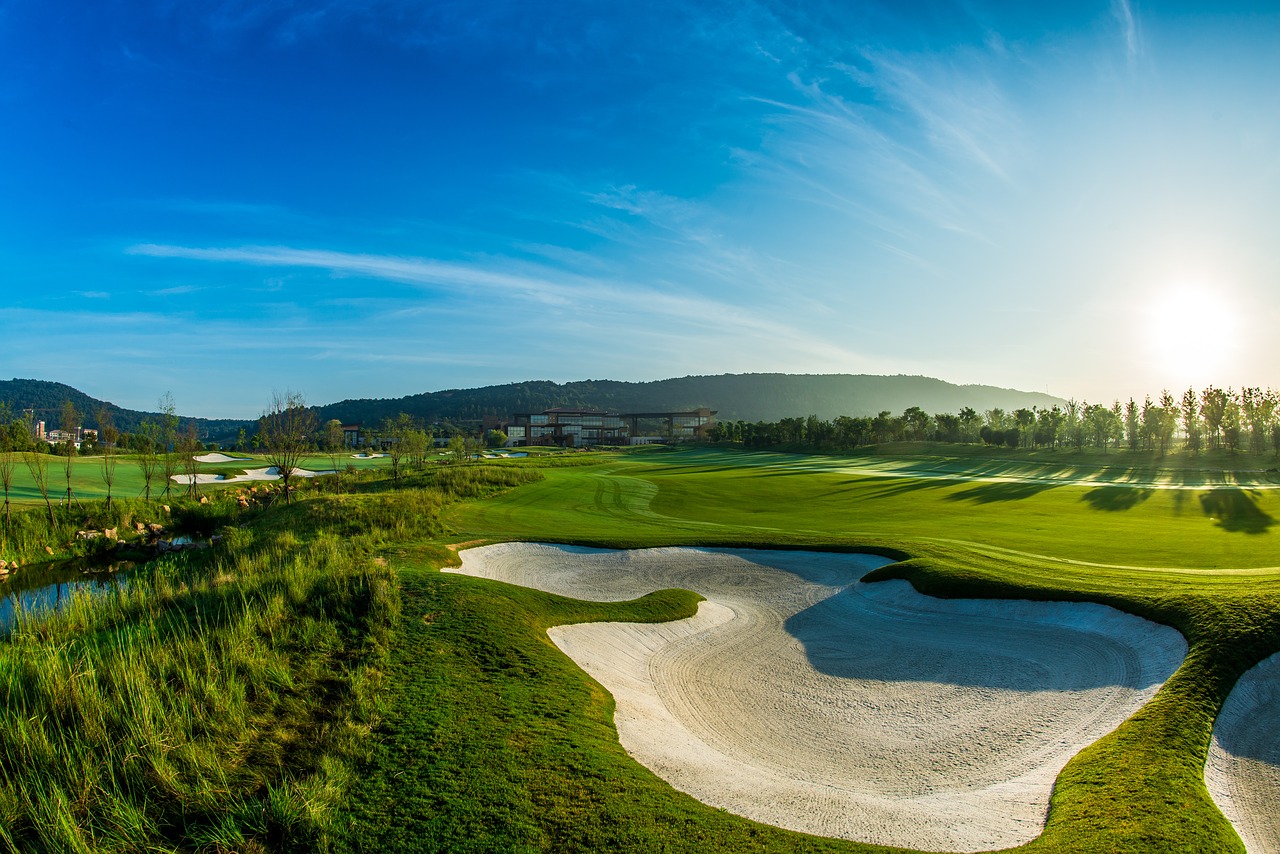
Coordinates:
[572,428]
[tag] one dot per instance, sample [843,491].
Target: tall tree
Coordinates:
[969,423]
[1073,421]
[1192,426]
[286,428]
[1167,423]
[1132,426]
[107,438]
[1025,419]
[1213,406]
[1231,420]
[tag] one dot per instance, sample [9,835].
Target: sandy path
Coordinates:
[800,698]
[1243,770]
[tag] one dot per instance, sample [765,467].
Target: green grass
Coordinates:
[218,700]
[263,688]
[1203,561]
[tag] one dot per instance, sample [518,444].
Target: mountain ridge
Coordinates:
[745,397]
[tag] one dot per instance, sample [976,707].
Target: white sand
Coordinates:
[366,456]
[222,458]
[802,699]
[1243,770]
[269,473]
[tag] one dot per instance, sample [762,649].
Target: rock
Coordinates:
[111,534]
[88,535]
[156,530]
[165,507]
[4,565]
[48,550]
[139,527]
[204,499]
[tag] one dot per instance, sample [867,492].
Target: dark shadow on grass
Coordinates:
[990,493]
[1114,498]
[1236,510]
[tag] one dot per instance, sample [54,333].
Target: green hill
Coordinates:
[45,399]
[748,397]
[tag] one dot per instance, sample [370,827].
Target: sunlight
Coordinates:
[1193,334]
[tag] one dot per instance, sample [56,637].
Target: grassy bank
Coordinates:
[217,701]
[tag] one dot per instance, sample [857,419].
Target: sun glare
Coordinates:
[1193,335]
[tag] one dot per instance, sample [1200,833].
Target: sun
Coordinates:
[1193,335]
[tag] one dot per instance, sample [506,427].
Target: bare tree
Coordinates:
[168,440]
[107,438]
[398,440]
[8,459]
[148,445]
[286,429]
[38,465]
[188,449]
[70,424]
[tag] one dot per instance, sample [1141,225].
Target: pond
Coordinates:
[49,586]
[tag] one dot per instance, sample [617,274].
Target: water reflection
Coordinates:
[41,587]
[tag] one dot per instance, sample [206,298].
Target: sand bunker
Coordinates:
[366,456]
[802,698]
[222,458]
[269,473]
[1243,771]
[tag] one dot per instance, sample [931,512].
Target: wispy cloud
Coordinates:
[176,290]
[1123,13]
[614,306]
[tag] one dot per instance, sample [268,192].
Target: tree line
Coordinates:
[163,447]
[1213,419]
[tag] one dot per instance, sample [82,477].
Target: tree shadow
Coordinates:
[989,493]
[1236,510]
[1115,498]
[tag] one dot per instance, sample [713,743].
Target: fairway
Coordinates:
[1198,554]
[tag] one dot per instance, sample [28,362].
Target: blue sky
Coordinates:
[374,199]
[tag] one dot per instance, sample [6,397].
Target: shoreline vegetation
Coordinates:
[314,683]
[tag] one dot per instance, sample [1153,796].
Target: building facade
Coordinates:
[573,428]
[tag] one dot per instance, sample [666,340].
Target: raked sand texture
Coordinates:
[800,697]
[1243,771]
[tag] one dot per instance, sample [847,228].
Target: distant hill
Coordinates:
[46,398]
[747,397]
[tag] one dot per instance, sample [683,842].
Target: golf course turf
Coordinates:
[486,737]
[1193,560]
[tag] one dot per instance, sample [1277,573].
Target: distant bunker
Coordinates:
[801,697]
